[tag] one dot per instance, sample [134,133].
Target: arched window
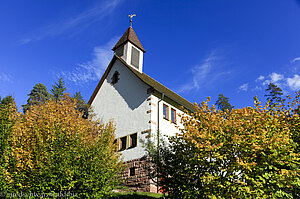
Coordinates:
[115,78]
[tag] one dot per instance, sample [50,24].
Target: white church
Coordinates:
[138,105]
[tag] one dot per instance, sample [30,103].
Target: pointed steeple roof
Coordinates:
[129,35]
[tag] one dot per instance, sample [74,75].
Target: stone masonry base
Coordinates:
[135,176]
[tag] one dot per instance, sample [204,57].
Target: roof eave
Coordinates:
[188,105]
[102,80]
[186,101]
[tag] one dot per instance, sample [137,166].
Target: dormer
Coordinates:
[130,49]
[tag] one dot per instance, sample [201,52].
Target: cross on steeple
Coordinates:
[131,16]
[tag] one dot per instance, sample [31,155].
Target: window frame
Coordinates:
[127,142]
[167,118]
[132,171]
[131,137]
[121,143]
[175,119]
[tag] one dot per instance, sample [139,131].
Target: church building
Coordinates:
[138,105]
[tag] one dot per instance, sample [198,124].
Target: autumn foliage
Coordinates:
[244,153]
[7,120]
[53,149]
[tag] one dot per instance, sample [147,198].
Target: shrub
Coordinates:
[243,153]
[7,119]
[53,150]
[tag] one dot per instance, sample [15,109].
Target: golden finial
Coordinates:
[131,16]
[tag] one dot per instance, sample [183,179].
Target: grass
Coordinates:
[138,195]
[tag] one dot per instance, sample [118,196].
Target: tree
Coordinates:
[84,108]
[38,95]
[58,89]
[223,103]
[7,108]
[79,99]
[8,112]
[274,94]
[249,153]
[7,100]
[54,150]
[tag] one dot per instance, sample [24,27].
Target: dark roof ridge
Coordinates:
[129,31]
[131,36]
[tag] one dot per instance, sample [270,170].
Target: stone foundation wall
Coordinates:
[135,176]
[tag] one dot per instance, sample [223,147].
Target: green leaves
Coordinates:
[274,95]
[38,95]
[7,111]
[58,89]
[245,153]
[53,149]
[223,103]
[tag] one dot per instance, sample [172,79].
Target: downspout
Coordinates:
[162,97]
[158,137]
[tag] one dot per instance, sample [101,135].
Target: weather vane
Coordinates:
[131,16]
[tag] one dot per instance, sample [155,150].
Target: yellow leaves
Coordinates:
[247,139]
[44,129]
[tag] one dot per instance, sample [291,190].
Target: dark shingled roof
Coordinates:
[129,35]
[147,80]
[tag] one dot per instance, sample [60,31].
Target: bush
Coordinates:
[243,153]
[53,150]
[7,119]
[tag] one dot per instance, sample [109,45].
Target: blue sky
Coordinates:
[196,48]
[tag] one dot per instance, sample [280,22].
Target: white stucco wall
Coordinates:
[126,104]
[166,127]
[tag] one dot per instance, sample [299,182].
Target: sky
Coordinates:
[196,48]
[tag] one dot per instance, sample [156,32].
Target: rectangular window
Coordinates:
[135,57]
[173,115]
[132,171]
[133,140]
[166,112]
[123,143]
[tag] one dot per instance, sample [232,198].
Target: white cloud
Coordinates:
[274,78]
[260,78]
[91,70]
[244,87]
[294,82]
[295,60]
[285,83]
[202,74]
[257,88]
[288,81]
[81,21]
[5,77]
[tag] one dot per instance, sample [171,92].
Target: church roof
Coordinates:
[147,80]
[129,35]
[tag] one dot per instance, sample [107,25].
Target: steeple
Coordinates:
[130,49]
[129,35]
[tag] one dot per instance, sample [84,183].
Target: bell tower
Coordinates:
[130,49]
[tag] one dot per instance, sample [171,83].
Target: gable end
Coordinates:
[102,80]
